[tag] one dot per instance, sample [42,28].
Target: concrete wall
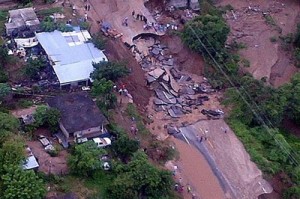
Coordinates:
[178,3]
[65,132]
[194,4]
[88,131]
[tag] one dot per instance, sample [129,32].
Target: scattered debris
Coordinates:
[213,114]
[176,93]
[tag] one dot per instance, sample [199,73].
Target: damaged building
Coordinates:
[21,20]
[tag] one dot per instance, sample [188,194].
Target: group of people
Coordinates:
[150,25]
[201,138]
[139,17]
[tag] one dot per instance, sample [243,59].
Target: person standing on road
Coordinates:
[205,134]
[188,187]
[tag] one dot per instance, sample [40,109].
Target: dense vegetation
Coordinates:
[104,76]
[15,182]
[257,110]
[297,46]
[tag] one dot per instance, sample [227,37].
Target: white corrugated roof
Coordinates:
[72,54]
[30,163]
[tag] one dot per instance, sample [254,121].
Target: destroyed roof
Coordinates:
[22,17]
[78,111]
[71,53]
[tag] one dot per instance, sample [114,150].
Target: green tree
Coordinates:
[47,116]
[85,159]
[48,25]
[109,70]
[4,57]
[4,136]
[52,119]
[24,2]
[20,184]
[292,91]
[3,76]
[211,30]
[99,41]
[124,147]
[4,90]
[103,90]
[8,122]
[259,102]
[297,37]
[140,179]
[12,152]
[33,67]
[40,115]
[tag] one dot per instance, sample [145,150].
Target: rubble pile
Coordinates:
[177,94]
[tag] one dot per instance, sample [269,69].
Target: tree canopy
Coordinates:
[99,41]
[47,116]
[103,90]
[292,92]
[8,122]
[20,184]
[211,30]
[4,57]
[109,70]
[12,152]
[138,179]
[124,147]
[15,182]
[33,67]
[85,159]
[297,37]
[4,90]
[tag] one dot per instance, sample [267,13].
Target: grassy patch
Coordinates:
[23,103]
[133,113]
[269,20]
[69,184]
[47,12]
[3,16]
[100,181]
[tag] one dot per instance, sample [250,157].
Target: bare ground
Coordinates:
[267,59]
[54,165]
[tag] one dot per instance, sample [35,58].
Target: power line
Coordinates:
[287,151]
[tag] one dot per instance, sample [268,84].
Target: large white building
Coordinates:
[71,54]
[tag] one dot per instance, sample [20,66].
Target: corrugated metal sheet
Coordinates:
[73,57]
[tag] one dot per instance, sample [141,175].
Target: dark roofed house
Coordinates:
[80,117]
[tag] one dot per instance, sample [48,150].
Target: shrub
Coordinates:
[273,39]
[99,41]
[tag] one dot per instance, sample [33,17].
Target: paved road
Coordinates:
[239,177]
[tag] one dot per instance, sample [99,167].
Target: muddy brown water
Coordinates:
[197,172]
